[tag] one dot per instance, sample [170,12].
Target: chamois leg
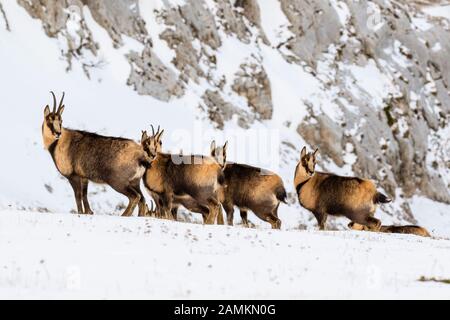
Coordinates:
[274,221]
[205,213]
[142,204]
[75,182]
[166,206]
[229,209]
[265,212]
[160,208]
[174,212]
[244,217]
[87,207]
[158,203]
[373,223]
[220,220]
[214,208]
[321,218]
[134,197]
[365,218]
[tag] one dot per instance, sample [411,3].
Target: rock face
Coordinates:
[383,65]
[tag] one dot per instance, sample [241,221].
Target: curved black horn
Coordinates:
[54,101]
[61,102]
[153,130]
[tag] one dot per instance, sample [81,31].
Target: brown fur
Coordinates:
[328,194]
[190,181]
[416,230]
[83,156]
[250,188]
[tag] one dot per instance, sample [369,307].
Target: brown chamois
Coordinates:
[416,230]
[83,156]
[249,188]
[328,194]
[178,180]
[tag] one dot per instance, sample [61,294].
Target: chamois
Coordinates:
[249,188]
[83,156]
[191,181]
[327,194]
[416,230]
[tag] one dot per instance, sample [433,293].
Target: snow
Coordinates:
[438,11]
[432,215]
[421,23]
[370,79]
[274,22]
[83,257]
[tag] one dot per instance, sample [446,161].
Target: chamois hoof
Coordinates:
[276,225]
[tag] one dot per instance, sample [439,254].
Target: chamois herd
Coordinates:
[203,184]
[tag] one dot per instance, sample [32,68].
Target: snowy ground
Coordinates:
[71,256]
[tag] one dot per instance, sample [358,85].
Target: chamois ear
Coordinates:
[61,110]
[224,152]
[144,136]
[315,154]
[303,153]
[46,111]
[213,148]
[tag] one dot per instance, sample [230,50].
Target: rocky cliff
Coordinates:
[373,93]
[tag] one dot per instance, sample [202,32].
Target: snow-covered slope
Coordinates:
[69,256]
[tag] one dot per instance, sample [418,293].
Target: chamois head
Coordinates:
[152,145]
[53,119]
[307,162]
[219,153]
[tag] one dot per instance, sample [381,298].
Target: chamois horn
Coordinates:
[54,101]
[153,130]
[61,102]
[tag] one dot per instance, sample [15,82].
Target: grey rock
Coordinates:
[253,83]
[119,17]
[149,76]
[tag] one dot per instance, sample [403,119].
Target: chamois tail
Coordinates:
[381,198]
[280,193]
